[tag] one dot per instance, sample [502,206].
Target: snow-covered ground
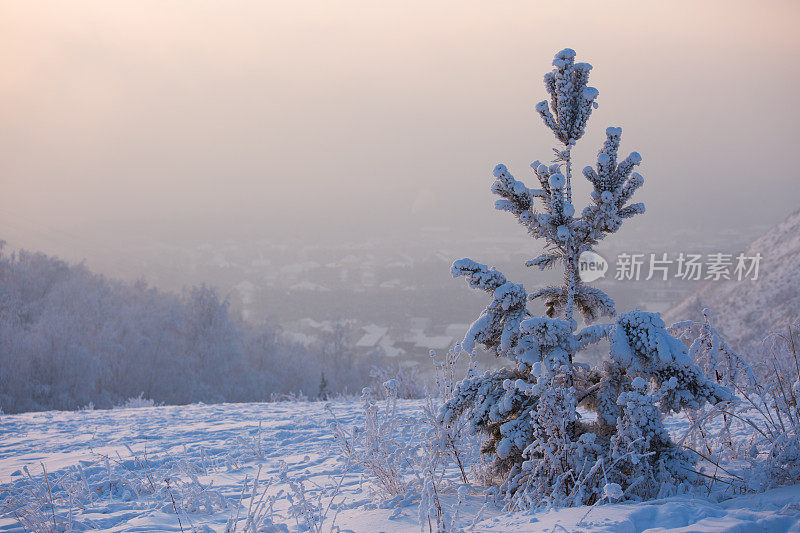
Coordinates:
[192,468]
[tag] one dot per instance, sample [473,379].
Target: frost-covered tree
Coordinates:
[70,338]
[544,452]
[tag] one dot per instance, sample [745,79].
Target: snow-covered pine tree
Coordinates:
[544,453]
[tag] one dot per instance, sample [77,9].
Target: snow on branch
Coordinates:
[571,100]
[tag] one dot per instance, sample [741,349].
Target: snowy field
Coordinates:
[191,468]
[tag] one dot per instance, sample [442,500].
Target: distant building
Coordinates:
[372,336]
[377,338]
[456,330]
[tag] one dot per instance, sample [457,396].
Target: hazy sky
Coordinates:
[226,119]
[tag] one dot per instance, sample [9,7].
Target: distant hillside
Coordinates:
[747,310]
[70,338]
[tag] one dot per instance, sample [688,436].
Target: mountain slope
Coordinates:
[747,310]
